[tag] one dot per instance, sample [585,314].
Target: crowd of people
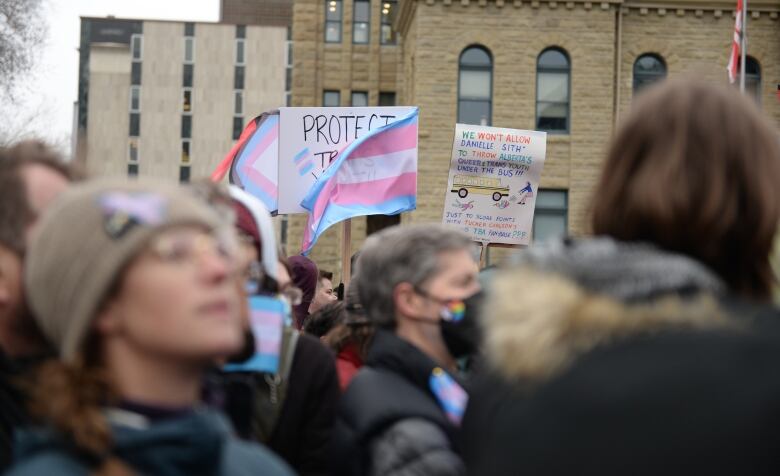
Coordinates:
[147,328]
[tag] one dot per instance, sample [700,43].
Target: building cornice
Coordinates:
[662,7]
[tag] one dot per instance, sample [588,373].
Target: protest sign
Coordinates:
[311,139]
[492,184]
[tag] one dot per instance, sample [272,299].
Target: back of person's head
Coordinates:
[326,318]
[401,254]
[695,169]
[17,212]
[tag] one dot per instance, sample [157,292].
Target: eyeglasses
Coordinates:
[256,281]
[254,277]
[188,247]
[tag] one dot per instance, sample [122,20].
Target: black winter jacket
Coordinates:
[389,422]
[301,435]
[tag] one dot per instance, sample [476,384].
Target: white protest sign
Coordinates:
[492,186]
[310,138]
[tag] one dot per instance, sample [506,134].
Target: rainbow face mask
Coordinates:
[453,311]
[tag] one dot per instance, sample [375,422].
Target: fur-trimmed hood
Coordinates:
[568,297]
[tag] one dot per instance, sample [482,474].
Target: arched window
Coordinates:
[475,86]
[648,69]
[553,71]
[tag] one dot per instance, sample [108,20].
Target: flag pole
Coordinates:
[743,47]
[346,248]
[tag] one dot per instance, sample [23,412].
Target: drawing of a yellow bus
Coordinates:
[465,184]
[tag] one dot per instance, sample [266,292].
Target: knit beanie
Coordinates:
[84,242]
[252,218]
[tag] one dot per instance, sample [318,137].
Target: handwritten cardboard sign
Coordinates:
[312,137]
[493,182]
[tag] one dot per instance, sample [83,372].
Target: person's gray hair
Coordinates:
[401,254]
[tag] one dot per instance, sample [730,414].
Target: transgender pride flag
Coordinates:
[254,160]
[374,175]
[266,318]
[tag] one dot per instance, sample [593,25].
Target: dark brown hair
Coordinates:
[16,213]
[695,169]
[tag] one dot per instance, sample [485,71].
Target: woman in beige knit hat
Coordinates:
[134,285]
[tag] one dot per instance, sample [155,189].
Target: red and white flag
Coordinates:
[735,47]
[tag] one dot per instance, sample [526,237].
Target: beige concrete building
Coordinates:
[568,67]
[168,99]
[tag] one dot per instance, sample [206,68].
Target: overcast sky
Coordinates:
[54,86]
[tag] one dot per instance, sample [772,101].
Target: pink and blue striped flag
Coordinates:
[374,175]
[451,396]
[266,318]
[253,162]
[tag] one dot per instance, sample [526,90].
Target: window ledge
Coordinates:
[559,138]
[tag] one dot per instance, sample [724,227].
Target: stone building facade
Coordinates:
[608,47]
[168,99]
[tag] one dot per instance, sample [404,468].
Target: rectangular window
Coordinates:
[189,29]
[189,50]
[361,17]
[132,150]
[240,31]
[184,173]
[186,105]
[375,223]
[550,215]
[288,99]
[359,99]
[135,73]
[136,47]
[132,170]
[238,103]
[387,99]
[238,79]
[289,54]
[185,151]
[135,124]
[186,127]
[288,79]
[389,10]
[187,76]
[135,99]
[240,52]
[331,98]
[238,127]
[333,11]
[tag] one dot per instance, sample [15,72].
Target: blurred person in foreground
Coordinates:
[31,178]
[401,413]
[291,409]
[646,349]
[134,286]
